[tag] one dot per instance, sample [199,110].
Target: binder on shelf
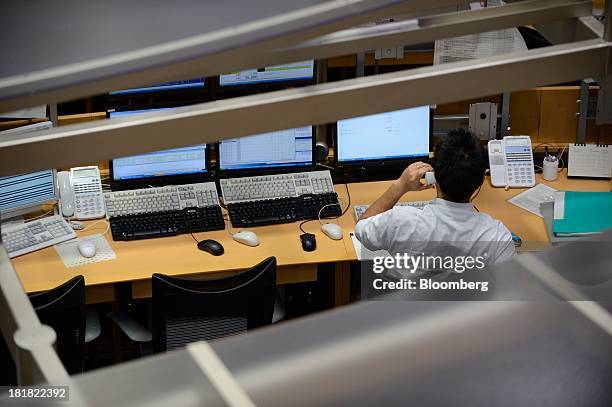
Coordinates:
[590,160]
[581,213]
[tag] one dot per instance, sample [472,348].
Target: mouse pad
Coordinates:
[69,252]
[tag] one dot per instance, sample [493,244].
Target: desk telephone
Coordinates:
[81,193]
[511,162]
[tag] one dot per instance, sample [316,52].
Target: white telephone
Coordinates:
[81,193]
[511,162]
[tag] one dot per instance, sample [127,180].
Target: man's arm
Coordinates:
[410,180]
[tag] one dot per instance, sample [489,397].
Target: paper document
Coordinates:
[531,199]
[363,253]
[479,45]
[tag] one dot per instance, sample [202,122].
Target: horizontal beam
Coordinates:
[428,29]
[210,53]
[570,30]
[318,104]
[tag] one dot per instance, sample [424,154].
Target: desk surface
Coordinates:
[178,255]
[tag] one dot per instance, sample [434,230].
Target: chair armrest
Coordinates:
[92,324]
[130,327]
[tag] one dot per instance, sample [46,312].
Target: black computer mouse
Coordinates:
[309,242]
[211,246]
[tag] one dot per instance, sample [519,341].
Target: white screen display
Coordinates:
[398,134]
[291,147]
[285,72]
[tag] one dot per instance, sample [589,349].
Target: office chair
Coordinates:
[188,310]
[63,309]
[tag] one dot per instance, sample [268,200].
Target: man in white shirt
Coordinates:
[450,225]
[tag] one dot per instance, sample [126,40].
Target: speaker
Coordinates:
[321,151]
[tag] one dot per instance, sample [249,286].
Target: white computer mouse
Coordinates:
[246,237]
[87,248]
[332,230]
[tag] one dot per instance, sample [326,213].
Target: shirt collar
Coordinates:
[456,205]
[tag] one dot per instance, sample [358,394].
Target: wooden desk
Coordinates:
[138,260]
[178,255]
[493,201]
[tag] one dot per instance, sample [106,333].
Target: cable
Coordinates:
[348,194]
[42,215]
[194,238]
[95,223]
[474,197]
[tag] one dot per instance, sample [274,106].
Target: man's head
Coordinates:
[459,164]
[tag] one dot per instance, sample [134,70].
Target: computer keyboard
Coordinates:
[167,198]
[27,237]
[360,209]
[276,186]
[166,223]
[283,210]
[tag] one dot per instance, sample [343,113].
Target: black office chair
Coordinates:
[188,310]
[63,308]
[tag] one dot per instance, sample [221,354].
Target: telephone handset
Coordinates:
[81,193]
[511,162]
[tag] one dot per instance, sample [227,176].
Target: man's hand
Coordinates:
[410,180]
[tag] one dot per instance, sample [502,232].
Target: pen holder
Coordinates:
[550,169]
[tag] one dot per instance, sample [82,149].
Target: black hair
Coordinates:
[459,164]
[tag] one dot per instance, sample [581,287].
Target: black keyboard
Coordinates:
[167,223]
[283,210]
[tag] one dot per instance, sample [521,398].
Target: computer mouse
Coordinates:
[246,237]
[332,230]
[309,242]
[211,246]
[87,248]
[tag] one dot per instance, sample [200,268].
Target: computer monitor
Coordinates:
[25,193]
[173,166]
[268,78]
[166,86]
[175,93]
[400,135]
[270,152]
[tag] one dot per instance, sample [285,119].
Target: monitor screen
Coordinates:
[166,86]
[398,134]
[26,190]
[176,161]
[291,147]
[276,73]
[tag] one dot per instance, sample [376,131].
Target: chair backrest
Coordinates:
[189,310]
[63,309]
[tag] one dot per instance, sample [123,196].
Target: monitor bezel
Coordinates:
[32,207]
[381,162]
[136,183]
[159,98]
[223,92]
[283,169]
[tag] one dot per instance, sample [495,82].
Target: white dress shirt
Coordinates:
[440,228]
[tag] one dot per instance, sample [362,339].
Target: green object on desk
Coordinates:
[582,213]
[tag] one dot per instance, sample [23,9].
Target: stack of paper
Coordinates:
[582,213]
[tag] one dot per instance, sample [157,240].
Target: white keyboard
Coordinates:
[360,209]
[27,237]
[168,198]
[275,186]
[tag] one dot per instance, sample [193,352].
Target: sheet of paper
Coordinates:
[27,113]
[531,199]
[479,45]
[363,253]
